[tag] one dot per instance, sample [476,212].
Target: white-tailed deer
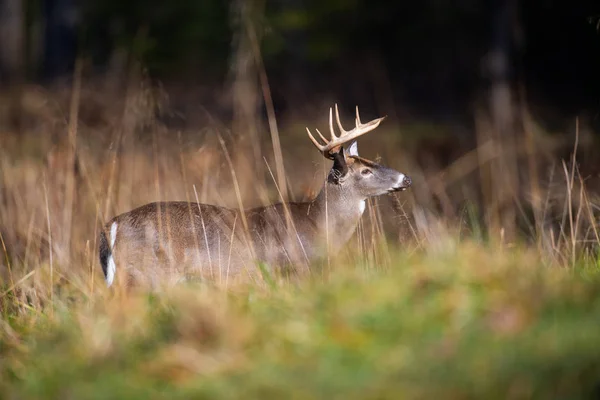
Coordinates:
[174,240]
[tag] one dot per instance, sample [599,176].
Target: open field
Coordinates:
[470,285]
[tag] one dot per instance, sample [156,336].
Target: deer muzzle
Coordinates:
[403,183]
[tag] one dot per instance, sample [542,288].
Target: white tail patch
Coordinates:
[111,267]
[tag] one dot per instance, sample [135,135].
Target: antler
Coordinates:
[333,145]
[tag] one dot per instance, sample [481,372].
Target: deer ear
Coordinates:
[353,149]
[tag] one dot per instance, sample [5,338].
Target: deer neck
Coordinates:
[339,210]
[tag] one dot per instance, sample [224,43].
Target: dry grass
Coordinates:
[55,199]
[431,297]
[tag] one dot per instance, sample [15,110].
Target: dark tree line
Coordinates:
[432,55]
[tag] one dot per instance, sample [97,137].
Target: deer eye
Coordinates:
[366,172]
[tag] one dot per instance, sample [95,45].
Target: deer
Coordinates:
[174,240]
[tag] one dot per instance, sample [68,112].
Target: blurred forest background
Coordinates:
[429,59]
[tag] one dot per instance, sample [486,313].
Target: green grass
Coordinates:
[467,322]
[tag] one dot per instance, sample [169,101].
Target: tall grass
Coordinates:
[429,299]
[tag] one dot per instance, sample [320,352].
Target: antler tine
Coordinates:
[315,142]
[333,136]
[358,123]
[322,137]
[337,117]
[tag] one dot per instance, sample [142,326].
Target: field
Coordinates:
[438,295]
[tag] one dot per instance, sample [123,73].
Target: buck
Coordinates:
[163,241]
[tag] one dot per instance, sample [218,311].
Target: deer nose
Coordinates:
[407,181]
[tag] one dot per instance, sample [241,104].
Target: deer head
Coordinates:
[357,177]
